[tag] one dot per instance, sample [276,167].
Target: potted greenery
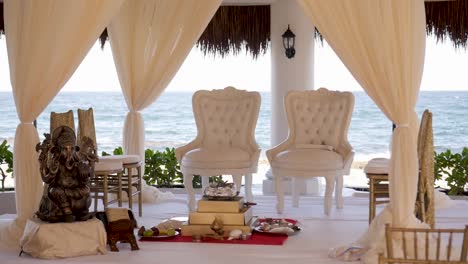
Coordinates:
[453,168]
[7,195]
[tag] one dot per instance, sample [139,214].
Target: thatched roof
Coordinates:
[236,27]
[448,20]
[233,28]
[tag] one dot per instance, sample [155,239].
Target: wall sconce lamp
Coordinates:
[288,43]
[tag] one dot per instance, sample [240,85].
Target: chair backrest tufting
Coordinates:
[319,117]
[226,118]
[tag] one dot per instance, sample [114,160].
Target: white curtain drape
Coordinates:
[46,42]
[382,43]
[150,40]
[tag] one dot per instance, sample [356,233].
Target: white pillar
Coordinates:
[296,73]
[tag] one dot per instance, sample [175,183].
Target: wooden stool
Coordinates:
[130,180]
[377,172]
[107,179]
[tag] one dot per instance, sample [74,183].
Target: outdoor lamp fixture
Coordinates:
[288,43]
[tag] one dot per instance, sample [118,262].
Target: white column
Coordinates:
[296,73]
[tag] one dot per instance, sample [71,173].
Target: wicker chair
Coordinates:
[377,172]
[419,245]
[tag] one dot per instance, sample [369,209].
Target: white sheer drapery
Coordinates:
[382,43]
[150,40]
[46,42]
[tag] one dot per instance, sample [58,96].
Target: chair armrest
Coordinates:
[180,151]
[348,161]
[346,151]
[254,149]
[271,153]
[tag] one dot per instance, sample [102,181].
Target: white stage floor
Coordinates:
[311,245]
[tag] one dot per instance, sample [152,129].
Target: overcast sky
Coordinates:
[445,69]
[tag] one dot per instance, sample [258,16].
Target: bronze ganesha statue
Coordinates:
[65,169]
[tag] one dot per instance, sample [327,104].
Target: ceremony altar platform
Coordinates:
[311,245]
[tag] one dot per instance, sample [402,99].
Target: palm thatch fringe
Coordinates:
[448,20]
[103,38]
[233,28]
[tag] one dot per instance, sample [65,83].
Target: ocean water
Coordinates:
[169,122]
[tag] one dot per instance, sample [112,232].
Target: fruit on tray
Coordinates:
[148,233]
[170,232]
[154,231]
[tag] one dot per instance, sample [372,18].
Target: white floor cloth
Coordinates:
[372,243]
[311,245]
[151,194]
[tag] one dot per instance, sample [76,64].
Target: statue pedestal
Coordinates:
[60,240]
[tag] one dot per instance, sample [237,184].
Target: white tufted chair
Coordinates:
[317,143]
[225,143]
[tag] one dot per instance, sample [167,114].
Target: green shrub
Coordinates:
[162,168]
[454,166]
[6,157]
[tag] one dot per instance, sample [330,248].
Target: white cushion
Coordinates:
[61,240]
[217,158]
[110,158]
[377,166]
[108,164]
[128,159]
[308,159]
[125,159]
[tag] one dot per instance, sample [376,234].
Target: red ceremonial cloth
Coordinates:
[255,239]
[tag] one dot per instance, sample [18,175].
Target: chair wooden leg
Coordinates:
[95,200]
[371,199]
[295,190]
[104,198]
[119,188]
[330,185]
[190,193]
[279,193]
[129,188]
[248,187]
[140,193]
[339,191]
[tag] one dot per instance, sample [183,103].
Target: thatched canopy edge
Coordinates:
[448,20]
[234,28]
